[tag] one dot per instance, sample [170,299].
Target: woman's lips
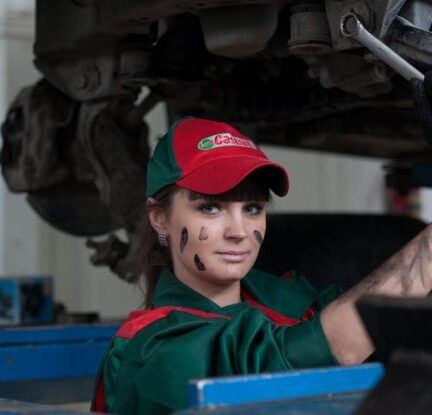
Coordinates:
[233,257]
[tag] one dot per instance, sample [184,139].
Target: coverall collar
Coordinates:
[172,292]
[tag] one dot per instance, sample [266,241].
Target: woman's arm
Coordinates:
[406,274]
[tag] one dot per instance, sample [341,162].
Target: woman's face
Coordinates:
[212,242]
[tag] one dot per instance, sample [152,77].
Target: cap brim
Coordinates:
[222,174]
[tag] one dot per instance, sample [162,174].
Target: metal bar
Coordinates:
[51,361]
[332,404]
[290,385]
[56,334]
[351,27]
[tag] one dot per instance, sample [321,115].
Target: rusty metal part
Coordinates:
[74,208]
[118,159]
[245,33]
[310,33]
[419,13]
[30,155]
[377,16]
[411,42]
[108,251]
[352,74]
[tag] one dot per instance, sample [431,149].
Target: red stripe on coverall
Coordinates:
[137,320]
[276,317]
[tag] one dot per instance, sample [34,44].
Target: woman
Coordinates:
[209,313]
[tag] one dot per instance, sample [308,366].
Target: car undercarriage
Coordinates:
[280,71]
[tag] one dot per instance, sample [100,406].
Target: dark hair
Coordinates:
[152,257]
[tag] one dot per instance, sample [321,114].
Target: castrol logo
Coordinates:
[224,140]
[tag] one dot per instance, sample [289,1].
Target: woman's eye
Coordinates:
[254,209]
[209,209]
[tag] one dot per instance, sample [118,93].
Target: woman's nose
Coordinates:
[235,227]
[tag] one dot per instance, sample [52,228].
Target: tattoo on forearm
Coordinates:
[203,236]
[199,265]
[183,239]
[411,267]
[426,261]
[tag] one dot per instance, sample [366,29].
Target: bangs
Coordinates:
[253,188]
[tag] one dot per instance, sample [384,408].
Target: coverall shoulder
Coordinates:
[186,336]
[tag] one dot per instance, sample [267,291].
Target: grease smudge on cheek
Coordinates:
[183,239]
[199,265]
[258,236]
[203,236]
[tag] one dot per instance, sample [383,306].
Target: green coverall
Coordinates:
[186,336]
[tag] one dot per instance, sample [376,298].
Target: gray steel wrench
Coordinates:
[352,27]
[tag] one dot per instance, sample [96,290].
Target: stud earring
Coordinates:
[162,239]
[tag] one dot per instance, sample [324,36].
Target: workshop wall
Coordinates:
[19,241]
[329,183]
[321,183]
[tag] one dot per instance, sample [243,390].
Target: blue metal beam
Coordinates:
[55,334]
[288,385]
[46,353]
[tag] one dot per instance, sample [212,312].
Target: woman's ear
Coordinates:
[157,216]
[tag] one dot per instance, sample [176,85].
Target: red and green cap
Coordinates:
[209,157]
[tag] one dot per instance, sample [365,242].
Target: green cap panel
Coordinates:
[162,169]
